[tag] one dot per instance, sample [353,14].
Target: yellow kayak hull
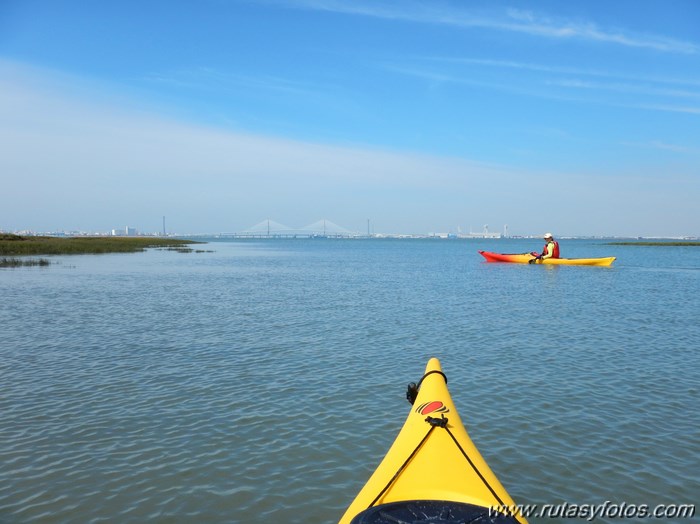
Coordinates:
[432,459]
[526,258]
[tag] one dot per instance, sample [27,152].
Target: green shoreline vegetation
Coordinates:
[15,245]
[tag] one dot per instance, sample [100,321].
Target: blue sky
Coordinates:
[580,118]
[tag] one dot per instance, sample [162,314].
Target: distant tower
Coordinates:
[164,234]
[505,231]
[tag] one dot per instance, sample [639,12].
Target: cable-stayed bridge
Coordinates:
[268,228]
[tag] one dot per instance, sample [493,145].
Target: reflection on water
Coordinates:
[265,380]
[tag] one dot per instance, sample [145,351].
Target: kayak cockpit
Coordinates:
[430,512]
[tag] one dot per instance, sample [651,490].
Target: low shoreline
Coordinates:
[670,243]
[16,245]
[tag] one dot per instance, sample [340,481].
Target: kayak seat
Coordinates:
[430,512]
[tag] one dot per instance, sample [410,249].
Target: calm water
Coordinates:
[263,381]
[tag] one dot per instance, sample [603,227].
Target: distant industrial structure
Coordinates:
[126,232]
[485,233]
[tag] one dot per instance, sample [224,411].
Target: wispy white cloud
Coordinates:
[675,148]
[664,146]
[535,24]
[562,83]
[624,88]
[510,20]
[211,79]
[574,90]
[113,162]
[574,71]
[111,158]
[670,108]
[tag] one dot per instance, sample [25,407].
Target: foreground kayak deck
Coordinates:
[524,258]
[433,471]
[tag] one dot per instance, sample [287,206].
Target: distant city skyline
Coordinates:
[278,230]
[580,118]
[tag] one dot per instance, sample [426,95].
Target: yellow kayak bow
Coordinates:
[433,471]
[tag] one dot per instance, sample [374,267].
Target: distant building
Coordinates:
[126,232]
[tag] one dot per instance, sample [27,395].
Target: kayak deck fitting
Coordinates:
[527,258]
[433,472]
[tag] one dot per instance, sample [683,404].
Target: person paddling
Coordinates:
[551,249]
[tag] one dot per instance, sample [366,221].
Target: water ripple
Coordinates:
[265,382]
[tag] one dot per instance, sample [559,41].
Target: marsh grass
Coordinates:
[14,245]
[21,262]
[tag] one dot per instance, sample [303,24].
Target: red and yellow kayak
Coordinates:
[525,258]
[433,471]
